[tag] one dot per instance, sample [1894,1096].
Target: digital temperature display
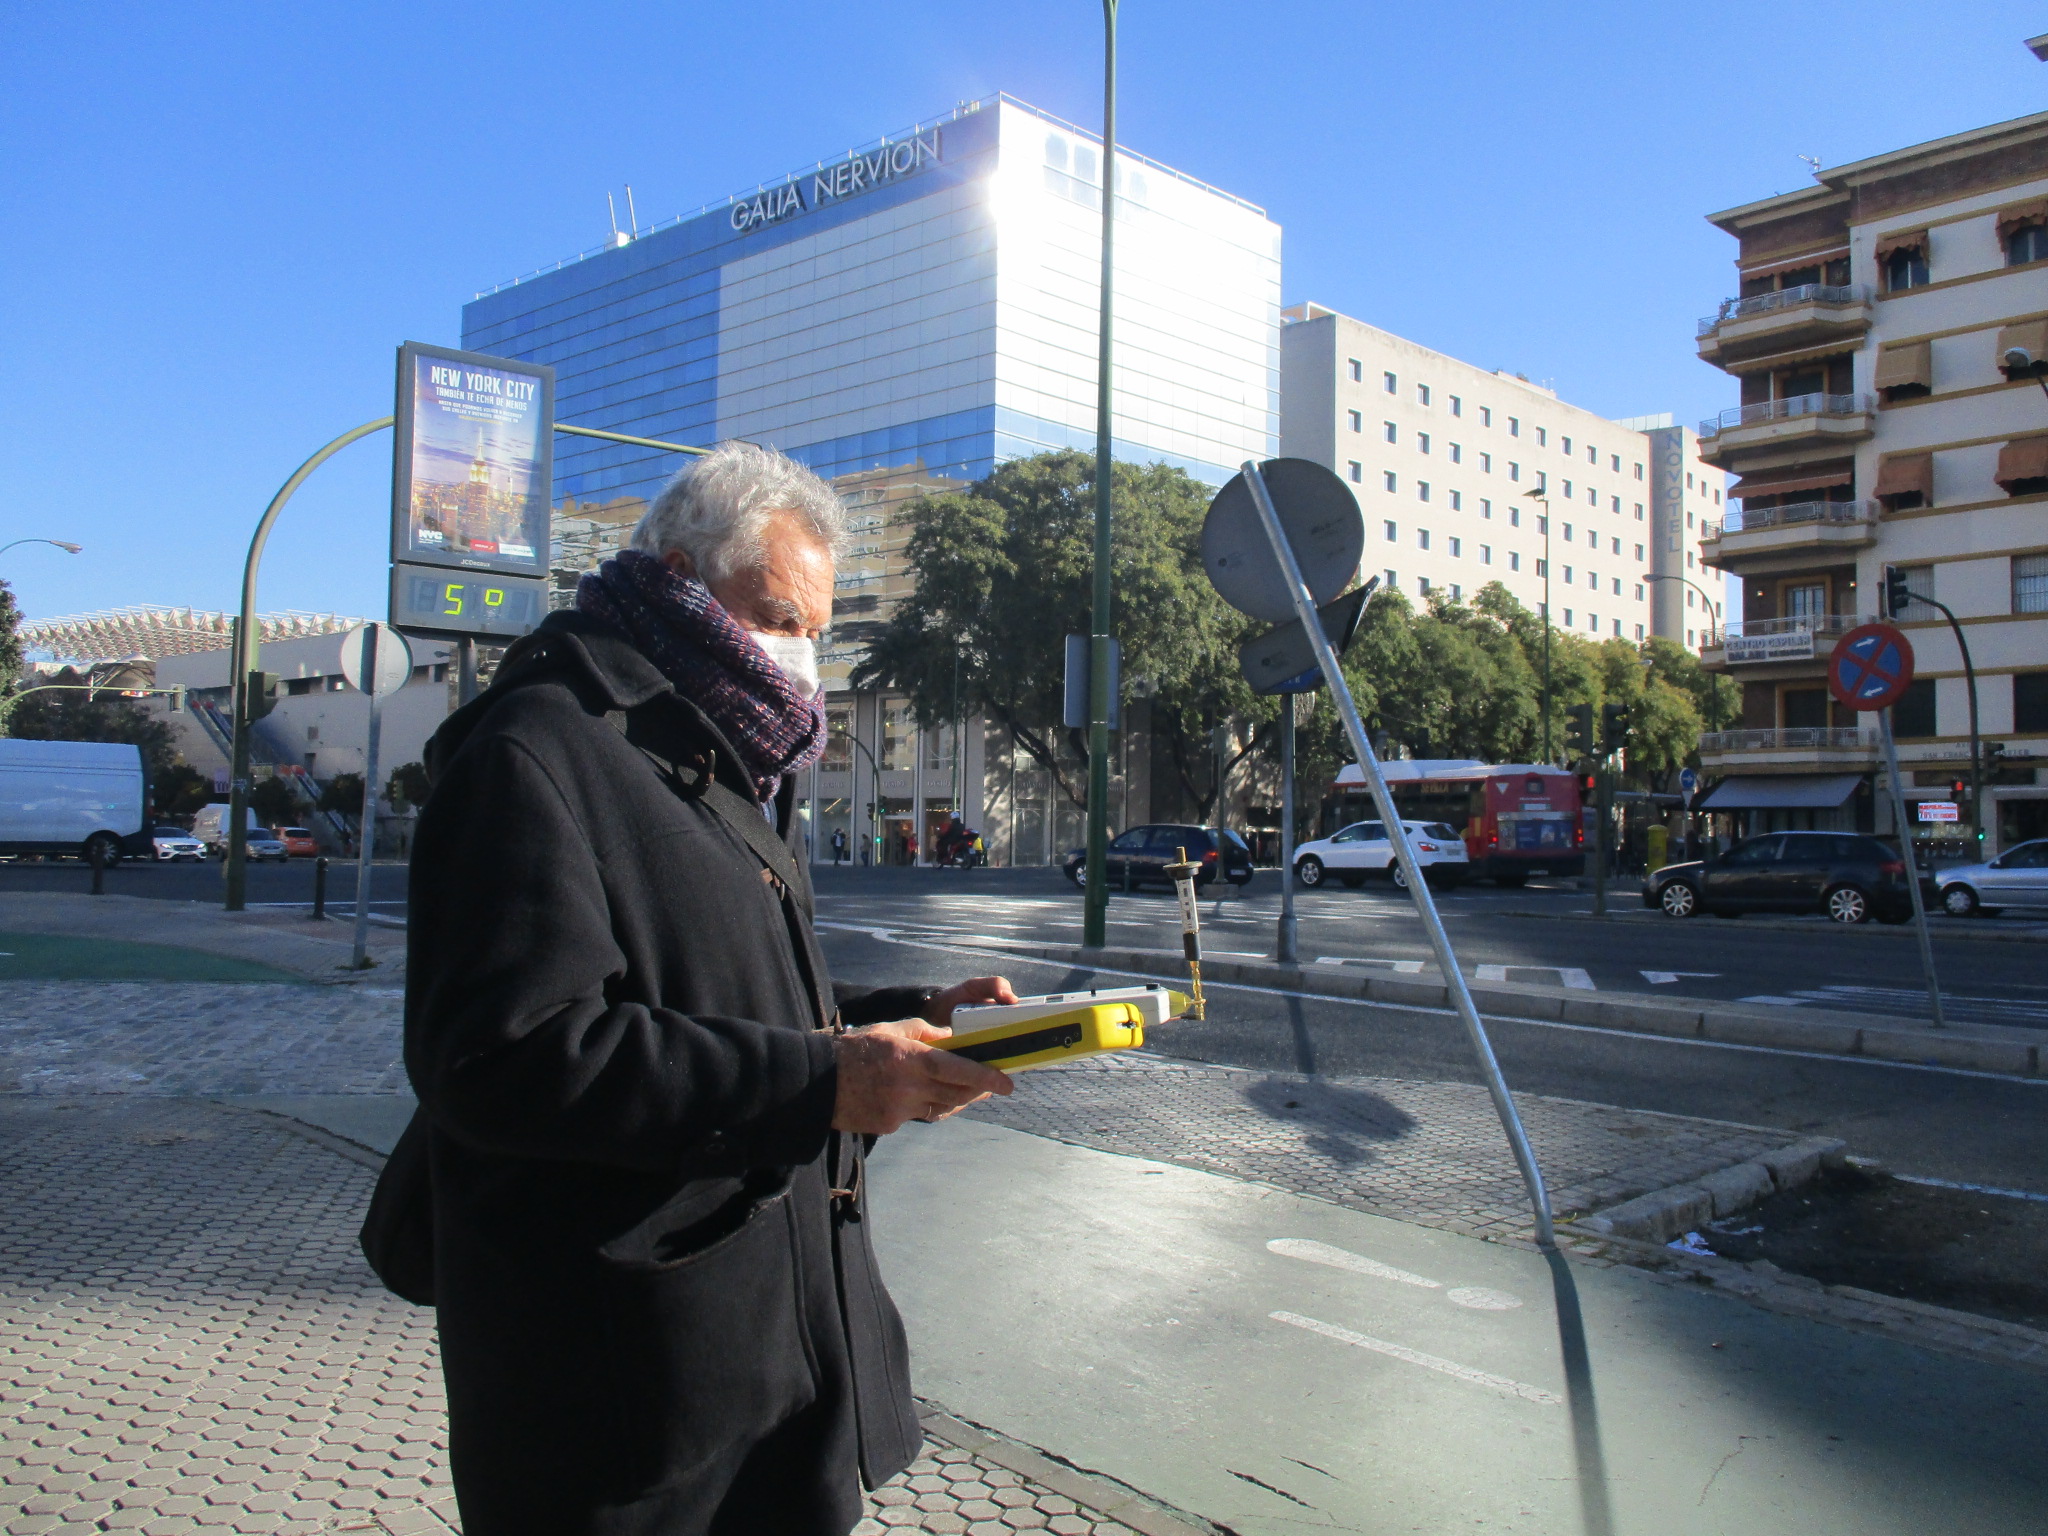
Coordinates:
[445,602]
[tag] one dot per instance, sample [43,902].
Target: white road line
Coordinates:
[1666,978]
[1567,975]
[1478,1378]
[1876,1063]
[1342,1258]
[1975,1189]
[1399,967]
[1775,1002]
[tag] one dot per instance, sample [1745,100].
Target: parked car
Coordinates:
[1146,851]
[2016,878]
[1353,854]
[263,846]
[299,842]
[174,843]
[1850,877]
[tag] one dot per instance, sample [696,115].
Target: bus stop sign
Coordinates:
[1870,667]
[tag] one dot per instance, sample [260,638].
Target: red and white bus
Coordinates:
[1519,819]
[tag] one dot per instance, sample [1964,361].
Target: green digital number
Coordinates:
[453,596]
[494,597]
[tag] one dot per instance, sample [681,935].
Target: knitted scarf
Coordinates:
[677,624]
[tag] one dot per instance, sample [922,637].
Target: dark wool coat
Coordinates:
[656,1319]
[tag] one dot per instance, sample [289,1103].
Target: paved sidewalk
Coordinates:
[189,1341]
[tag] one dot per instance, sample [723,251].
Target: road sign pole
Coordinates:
[1287,948]
[1418,888]
[1891,765]
[366,823]
[1095,901]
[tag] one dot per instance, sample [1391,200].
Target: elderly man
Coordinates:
[645,1102]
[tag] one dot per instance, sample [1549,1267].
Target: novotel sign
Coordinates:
[849,178]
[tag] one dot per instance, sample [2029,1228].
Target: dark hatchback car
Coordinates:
[1146,851]
[1850,877]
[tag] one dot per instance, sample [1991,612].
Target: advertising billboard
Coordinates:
[473,468]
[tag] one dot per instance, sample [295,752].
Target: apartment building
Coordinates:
[1444,457]
[1886,419]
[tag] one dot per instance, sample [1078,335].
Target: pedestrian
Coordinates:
[839,845]
[644,1102]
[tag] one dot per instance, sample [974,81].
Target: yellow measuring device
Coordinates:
[1060,1026]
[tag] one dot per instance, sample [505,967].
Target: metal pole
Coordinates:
[244,661]
[320,889]
[465,669]
[1425,901]
[1603,813]
[1976,750]
[1095,904]
[1891,763]
[1548,754]
[1288,951]
[366,823]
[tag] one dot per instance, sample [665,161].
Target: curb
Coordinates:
[1983,1048]
[1671,1212]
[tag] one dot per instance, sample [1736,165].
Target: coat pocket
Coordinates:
[707,1216]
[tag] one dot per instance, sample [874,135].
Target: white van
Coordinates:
[64,797]
[210,826]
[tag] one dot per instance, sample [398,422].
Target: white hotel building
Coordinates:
[1443,456]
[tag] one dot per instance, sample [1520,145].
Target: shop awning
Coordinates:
[2024,458]
[1782,791]
[1901,474]
[1905,362]
[1783,482]
[1904,240]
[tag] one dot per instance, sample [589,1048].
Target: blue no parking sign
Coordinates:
[1870,667]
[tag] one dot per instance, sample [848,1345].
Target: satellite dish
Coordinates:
[1322,522]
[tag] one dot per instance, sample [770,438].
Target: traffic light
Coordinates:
[1614,725]
[1896,597]
[262,696]
[1578,730]
[1988,755]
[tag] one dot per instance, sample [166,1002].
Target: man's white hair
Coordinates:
[718,508]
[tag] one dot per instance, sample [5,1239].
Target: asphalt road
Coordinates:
[281,885]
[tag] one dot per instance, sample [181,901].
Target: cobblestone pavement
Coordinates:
[189,1341]
[1429,1153]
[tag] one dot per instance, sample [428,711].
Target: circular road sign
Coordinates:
[1870,666]
[1322,522]
[394,659]
[1688,780]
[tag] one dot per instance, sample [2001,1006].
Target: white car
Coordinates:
[177,843]
[2016,878]
[1363,849]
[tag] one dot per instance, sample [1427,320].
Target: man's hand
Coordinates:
[978,993]
[889,1074]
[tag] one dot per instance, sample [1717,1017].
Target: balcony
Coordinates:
[1791,747]
[1811,315]
[1806,422]
[1765,640]
[1801,528]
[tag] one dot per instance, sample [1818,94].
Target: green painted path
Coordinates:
[60,957]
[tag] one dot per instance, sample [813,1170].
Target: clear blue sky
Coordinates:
[216,222]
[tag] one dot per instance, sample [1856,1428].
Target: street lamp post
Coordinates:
[1095,904]
[1713,608]
[1543,501]
[64,544]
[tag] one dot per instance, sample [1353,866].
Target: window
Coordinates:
[1422,490]
[1615,462]
[1639,631]
[2025,245]
[1639,511]
[1616,589]
[1514,560]
[1357,472]
[2030,701]
[1567,442]
[1567,533]
[1614,505]
[2030,583]
[1616,543]
[1457,593]
[1357,371]
[1906,268]
[1807,601]
[1392,531]
[1639,592]
[1422,539]
[1514,470]
[1392,581]
[1486,509]
[1639,471]
[1567,489]
[1457,501]
[1390,432]
[1422,585]
[1514,426]
[1391,480]
[1457,452]
[1486,554]
[1913,715]
[1567,618]
[1567,575]
[1542,437]
[1542,482]
[1457,549]
[1357,420]
[1593,580]
[1688,481]
[1639,554]
[1422,394]
[1486,415]
[1542,524]
[1457,405]
[1486,463]
[1593,622]
[1593,456]
[1391,384]
[1422,442]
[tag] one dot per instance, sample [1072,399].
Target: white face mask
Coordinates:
[797,657]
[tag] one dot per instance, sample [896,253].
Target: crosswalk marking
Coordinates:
[1399,967]
[1567,975]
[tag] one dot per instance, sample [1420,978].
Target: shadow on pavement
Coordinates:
[1344,1122]
[1589,1456]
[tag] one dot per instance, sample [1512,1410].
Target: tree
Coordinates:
[344,793]
[69,713]
[10,638]
[408,785]
[181,790]
[1004,574]
[273,802]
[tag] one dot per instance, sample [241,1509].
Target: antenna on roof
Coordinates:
[632,218]
[618,238]
[1812,164]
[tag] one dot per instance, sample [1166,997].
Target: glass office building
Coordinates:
[902,318]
